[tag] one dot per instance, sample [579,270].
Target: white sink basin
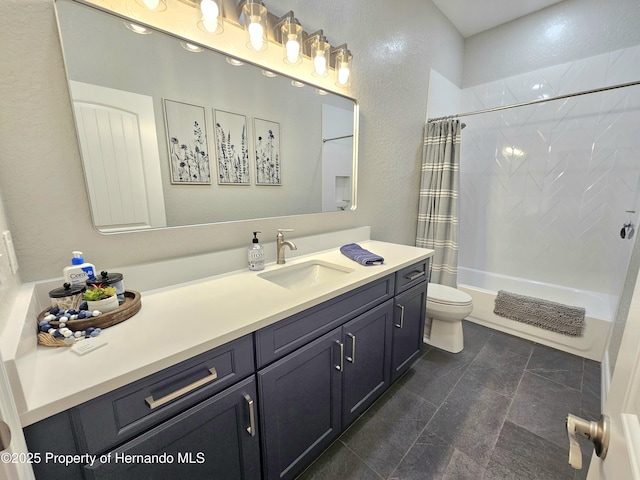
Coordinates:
[310,274]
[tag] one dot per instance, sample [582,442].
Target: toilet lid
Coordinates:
[447,295]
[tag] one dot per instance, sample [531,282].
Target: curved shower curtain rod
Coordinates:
[533,102]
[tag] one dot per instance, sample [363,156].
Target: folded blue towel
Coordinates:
[358,254]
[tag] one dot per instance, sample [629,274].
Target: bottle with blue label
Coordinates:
[79,271]
[255,254]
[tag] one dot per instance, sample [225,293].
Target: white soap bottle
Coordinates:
[255,254]
[79,271]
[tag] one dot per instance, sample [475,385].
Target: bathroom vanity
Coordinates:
[289,370]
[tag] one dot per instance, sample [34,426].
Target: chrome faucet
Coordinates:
[281,243]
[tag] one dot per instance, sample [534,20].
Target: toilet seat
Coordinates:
[444,295]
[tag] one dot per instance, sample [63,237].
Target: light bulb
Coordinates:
[293,49]
[343,75]
[151,4]
[209,10]
[209,25]
[320,63]
[256,35]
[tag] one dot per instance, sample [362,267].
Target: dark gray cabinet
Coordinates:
[217,438]
[408,329]
[300,405]
[308,397]
[367,355]
[191,418]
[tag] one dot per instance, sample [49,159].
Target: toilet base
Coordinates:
[446,336]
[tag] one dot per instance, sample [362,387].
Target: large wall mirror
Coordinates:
[172,136]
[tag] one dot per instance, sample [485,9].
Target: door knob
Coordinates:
[5,436]
[597,432]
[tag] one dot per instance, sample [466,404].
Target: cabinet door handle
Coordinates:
[184,390]
[340,366]
[352,358]
[401,324]
[251,429]
[414,275]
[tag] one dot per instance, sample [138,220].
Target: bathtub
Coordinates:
[600,311]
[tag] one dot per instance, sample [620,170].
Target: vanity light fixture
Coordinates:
[342,65]
[211,21]
[288,32]
[319,51]
[269,73]
[297,84]
[234,62]
[253,16]
[255,22]
[153,5]
[319,91]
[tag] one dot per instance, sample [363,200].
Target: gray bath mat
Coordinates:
[553,316]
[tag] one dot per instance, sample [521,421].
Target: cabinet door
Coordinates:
[367,346]
[300,404]
[215,439]
[408,329]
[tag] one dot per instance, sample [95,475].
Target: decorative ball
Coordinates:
[54,311]
[78,334]
[96,313]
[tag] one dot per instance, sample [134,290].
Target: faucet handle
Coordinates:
[282,230]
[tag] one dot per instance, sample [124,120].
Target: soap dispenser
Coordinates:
[255,254]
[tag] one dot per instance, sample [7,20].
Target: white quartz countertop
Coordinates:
[181,321]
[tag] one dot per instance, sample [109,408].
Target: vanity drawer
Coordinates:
[285,336]
[412,275]
[119,415]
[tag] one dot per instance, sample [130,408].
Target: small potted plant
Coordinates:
[101,298]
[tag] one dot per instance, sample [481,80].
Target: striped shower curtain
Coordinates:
[438,207]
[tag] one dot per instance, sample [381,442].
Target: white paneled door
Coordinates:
[15,462]
[622,406]
[118,141]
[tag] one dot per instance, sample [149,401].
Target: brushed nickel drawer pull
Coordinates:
[401,324]
[340,367]
[352,358]
[414,275]
[184,390]
[251,429]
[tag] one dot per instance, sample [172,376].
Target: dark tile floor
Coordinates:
[495,411]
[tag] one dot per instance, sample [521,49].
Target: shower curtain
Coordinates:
[438,206]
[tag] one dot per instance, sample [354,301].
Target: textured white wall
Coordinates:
[41,180]
[564,32]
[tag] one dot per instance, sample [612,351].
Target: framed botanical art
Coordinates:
[187,142]
[232,148]
[267,147]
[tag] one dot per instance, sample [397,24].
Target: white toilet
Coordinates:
[447,307]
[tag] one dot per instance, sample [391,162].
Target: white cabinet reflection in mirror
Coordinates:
[117,136]
[158,67]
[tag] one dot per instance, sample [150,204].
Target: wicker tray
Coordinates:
[126,310]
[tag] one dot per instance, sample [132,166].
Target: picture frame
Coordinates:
[268,166]
[232,148]
[188,149]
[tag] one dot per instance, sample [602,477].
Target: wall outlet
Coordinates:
[8,246]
